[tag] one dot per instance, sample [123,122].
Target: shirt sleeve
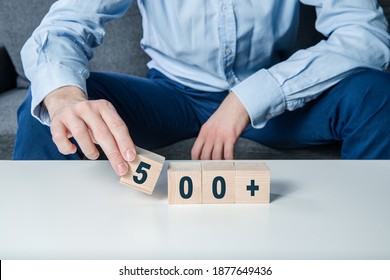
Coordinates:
[58,51]
[357,38]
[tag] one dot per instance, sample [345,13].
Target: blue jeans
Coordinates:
[159,111]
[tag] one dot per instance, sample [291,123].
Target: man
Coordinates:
[217,66]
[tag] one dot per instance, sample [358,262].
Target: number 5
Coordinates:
[142,172]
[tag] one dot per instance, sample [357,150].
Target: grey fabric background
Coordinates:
[14,31]
[128,56]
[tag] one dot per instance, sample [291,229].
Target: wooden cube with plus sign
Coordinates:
[144,171]
[252,182]
[184,183]
[218,182]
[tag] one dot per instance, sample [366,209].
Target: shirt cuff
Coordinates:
[261,96]
[51,77]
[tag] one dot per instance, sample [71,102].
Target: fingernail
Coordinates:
[95,157]
[121,169]
[130,155]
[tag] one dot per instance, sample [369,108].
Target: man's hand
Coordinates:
[218,135]
[89,122]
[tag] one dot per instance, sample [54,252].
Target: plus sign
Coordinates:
[252,187]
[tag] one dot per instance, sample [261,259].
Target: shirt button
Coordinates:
[225,8]
[231,81]
[268,117]
[228,51]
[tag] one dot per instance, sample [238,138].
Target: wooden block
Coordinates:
[252,182]
[144,171]
[184,183]
[218,182]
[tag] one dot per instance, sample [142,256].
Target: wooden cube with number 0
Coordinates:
[218,179]
[184,183]
[144,171]
[252,182]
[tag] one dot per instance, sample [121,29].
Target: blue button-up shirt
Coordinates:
[216,45]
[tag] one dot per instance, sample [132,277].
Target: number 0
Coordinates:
[190,187]
[223,187]
[142,172]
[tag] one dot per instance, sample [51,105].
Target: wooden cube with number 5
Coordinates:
[144,171]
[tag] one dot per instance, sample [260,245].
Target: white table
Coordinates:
[78,210]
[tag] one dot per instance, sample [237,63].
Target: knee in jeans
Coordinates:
[370,88]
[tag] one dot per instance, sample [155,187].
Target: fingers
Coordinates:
[197,148]
[82,136]
[212,148]
[228,151]
[103,135]
[107,142]
[220,132]
[120,132]
[217,152]
[60,138]
[90,123]
[78,129]
[206,151]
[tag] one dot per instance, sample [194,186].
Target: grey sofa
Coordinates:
[119,53]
